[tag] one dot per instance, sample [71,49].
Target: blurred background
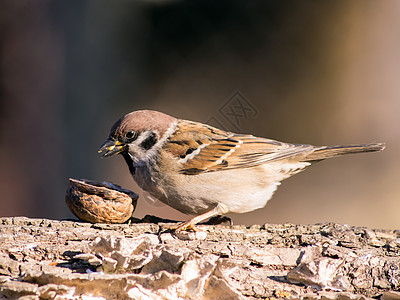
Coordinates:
[318,72]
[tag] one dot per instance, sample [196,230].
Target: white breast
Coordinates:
[242,190]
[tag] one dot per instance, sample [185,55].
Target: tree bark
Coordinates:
[49,259]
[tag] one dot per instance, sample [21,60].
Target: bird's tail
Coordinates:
[332,151]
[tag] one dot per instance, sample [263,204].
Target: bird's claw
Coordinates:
[186,226]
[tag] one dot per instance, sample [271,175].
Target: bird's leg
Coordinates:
[220,209]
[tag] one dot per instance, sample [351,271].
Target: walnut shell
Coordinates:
[100,202]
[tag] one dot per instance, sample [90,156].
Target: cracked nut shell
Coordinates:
[100,202]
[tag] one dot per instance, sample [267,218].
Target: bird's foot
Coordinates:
[183,226]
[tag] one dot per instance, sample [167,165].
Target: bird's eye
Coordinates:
[129,135]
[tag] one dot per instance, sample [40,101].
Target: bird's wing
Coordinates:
[201,148]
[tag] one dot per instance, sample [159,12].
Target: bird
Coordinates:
[208,172]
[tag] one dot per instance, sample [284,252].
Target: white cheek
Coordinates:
[142,156]
[136,150]
[137,153]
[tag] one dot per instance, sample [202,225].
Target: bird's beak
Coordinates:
[111,147]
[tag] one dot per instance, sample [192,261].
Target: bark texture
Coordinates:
[49,259]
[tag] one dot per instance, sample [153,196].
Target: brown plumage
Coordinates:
[222,150]
[205,171]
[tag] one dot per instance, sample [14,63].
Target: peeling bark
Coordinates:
[48,259]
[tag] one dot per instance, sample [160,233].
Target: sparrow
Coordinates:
[207,172]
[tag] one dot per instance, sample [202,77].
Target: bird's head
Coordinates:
[138,134]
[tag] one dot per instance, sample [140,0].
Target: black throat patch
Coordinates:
[129,162]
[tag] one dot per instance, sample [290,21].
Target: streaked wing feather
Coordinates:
[218,150]
[256,151]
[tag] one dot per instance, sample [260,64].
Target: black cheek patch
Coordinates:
[149,142]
